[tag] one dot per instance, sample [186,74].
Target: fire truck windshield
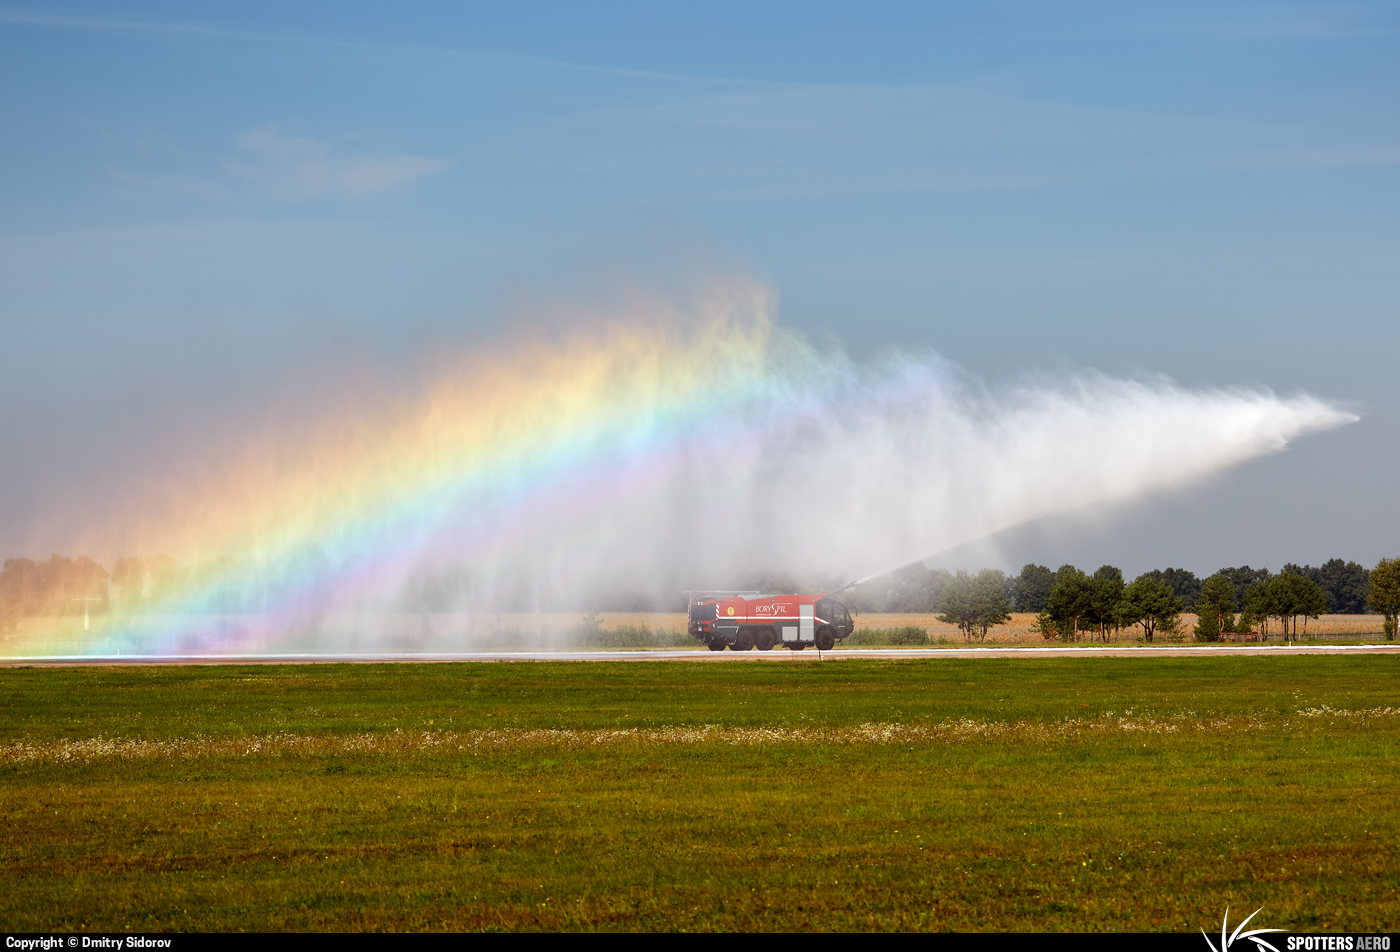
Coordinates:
[833,611]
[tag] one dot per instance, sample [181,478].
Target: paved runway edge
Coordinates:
[1087,651]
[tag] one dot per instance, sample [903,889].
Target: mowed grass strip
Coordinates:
[184,701]
[1088,794]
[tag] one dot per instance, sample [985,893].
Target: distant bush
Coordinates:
[872,637]
[1048,628]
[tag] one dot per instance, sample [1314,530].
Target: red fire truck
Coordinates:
[747,620]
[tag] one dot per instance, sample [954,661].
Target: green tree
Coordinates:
[1045,626]
[976,603]
[1215,608]
[1069,600]
[1243,579]
[1031,589]
[18,591]
[1271,598]
[1302,598]
[1185,584]
[1346,584]
[1310,601]
[1288,596]
[1245,624]
[1207,626]
[1385,593]
[1258,604]
[1106,600]
[957,603]
[991,599]
[1151,603]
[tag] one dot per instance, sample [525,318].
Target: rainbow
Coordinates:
[644,453]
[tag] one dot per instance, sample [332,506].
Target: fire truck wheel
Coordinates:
[744,641]
[826,640]
[715,645]
[766,639]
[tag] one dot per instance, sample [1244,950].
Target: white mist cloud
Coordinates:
[846,469]
[674,447]
[943,465]
[295,169]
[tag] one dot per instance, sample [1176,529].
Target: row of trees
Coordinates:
[69,586]
[915,588]
[49,586]
[1286,597]
[1345,585]
[1095,605]
[1078,604]
[1071,604]
[55,586]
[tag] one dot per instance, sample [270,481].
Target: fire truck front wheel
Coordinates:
[715,645]
[826,639]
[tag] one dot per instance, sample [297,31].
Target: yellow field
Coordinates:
[1018,629]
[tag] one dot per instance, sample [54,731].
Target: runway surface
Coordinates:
[777,656]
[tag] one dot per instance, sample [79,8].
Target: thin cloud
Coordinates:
[1340,157]
[124,26]
[295,169]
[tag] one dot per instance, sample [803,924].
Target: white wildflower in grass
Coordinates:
[407,742]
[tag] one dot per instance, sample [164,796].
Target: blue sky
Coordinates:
[202,203]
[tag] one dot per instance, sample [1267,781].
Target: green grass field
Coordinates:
[1075,794]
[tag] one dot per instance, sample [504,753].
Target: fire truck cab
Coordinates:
[747,620]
